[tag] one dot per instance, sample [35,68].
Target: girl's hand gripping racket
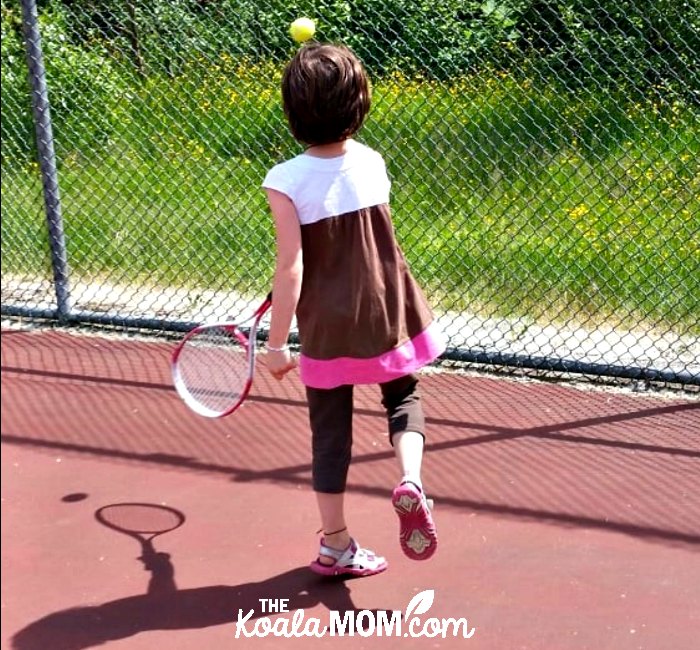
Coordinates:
[213,366]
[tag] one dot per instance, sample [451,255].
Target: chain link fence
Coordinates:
[545,160]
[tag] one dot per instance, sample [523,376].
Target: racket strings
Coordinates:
[213,368]
[141,518]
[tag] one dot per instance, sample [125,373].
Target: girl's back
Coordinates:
[362,318]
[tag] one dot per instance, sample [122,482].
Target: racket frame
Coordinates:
[248,344]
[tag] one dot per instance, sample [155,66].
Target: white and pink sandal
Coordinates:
[351,561]
[417,535]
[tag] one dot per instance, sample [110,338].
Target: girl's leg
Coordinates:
[417,533]
[330,415]
[335,531]
[406,425]
[408,446]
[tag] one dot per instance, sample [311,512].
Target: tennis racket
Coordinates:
[213,366]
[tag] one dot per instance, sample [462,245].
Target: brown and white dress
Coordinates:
[362,317]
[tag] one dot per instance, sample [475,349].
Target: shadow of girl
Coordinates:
[85,627]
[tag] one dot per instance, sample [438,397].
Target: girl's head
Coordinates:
[326,94]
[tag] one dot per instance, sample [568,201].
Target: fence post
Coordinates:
[47,155]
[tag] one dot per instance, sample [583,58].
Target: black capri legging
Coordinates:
[330,414]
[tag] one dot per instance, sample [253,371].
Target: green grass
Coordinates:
[511,198]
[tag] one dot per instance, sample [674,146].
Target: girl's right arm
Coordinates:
[286,287]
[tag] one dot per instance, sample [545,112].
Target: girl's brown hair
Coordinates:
[325,92]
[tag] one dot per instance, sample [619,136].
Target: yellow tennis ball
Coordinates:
[302,29]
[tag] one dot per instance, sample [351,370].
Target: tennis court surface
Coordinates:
[568,518]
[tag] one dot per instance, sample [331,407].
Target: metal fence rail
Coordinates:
[545,161]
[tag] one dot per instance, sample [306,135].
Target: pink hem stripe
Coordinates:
[407,358]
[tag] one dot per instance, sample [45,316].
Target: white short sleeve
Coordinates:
[279,179]
[327,187]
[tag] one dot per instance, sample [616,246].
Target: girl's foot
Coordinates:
[417,535]
[352,560]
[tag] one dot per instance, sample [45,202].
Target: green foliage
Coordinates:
[510,198]
[97,51]
[84,88]
[438,39]
[581,41]
[16,109]
[600,43]
[443,38]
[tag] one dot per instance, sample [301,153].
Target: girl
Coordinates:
[362,318]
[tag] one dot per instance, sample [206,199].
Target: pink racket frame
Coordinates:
[248,342]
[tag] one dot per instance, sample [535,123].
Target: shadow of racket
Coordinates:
[144,522]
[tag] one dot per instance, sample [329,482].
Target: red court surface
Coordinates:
[568,518]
